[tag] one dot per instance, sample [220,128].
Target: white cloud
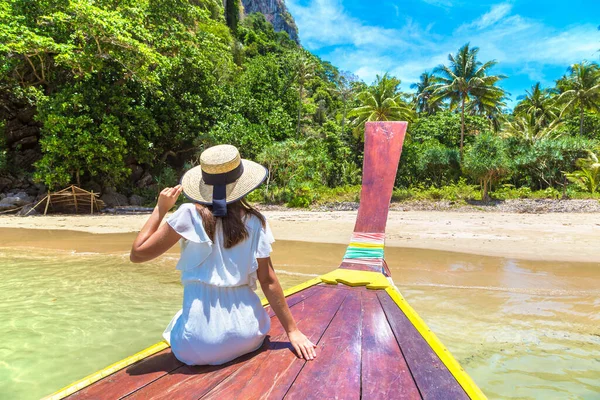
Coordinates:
[518,43]
[496,14]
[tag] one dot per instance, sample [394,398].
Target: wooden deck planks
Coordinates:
[297,298]
[385,374]
[193,382]
[336,372]
[433,379]
[145,371]
[270,374]
[131,378]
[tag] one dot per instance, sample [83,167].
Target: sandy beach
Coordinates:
[551,237]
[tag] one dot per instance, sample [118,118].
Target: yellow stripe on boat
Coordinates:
[364,245]
[442,352]
[111,369]
[295,289]
[350,277]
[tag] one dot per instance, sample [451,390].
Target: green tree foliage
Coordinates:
[232,14]
[445,127]
[119,85]
[345,88]
[587,177]
[294,168]
[465,84]
[571,125]
[426,103]
[486,161]
[540,164]
[382,101]
[539,105]
[580,90]
[529,128]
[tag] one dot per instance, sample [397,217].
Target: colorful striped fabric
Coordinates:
[365,246]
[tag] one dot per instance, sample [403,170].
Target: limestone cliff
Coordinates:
[275,12]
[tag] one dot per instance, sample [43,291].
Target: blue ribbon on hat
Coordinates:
[219,183]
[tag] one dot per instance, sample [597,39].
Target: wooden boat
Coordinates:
[371,343]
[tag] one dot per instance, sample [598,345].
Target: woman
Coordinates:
[225,248]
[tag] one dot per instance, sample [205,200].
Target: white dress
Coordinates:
[222,317]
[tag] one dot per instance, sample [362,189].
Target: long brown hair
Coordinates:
[234,229]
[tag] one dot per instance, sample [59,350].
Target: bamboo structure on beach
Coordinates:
[69,200]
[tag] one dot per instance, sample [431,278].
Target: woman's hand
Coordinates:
[304,347]
[167,199]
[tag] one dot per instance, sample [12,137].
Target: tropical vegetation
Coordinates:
[126,94]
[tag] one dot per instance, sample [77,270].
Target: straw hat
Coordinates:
[222,167]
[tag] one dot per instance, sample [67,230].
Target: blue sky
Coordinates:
[532,40]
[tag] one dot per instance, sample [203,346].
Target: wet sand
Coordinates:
[551,237]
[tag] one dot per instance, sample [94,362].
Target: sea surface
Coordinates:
[71,303]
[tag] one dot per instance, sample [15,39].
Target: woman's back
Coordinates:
[209,261]
[221,317]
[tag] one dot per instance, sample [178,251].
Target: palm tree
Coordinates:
[540,105]
[381,102]
[345,90]
[425,103]
[588,175]
[465,80]
[529,128]
[581,90]
[489,103]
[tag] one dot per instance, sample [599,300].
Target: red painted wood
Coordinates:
[193,382]
[270,374]
[296,298]
[383,145]
[377,267]
[129,379]
[190,382]
[385,374]
[431,375]
[335,374]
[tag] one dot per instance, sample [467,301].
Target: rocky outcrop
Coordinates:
[276,13]
[14,200]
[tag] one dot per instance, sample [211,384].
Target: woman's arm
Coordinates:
[154,239]
[272,290]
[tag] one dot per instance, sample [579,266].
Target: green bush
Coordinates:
[508,191]
[445,128]
[348,193]
[486,161]
[437,163]
[460,192]
[541,164]
[302,196]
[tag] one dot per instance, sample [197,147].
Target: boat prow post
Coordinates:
[383,147]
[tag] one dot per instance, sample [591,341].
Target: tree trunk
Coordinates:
[485,195]
[78,178]
[462,128]
[581,115]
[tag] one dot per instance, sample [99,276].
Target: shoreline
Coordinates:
[572,237]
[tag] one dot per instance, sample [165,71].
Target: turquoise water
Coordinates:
[521,329]
[65,316]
